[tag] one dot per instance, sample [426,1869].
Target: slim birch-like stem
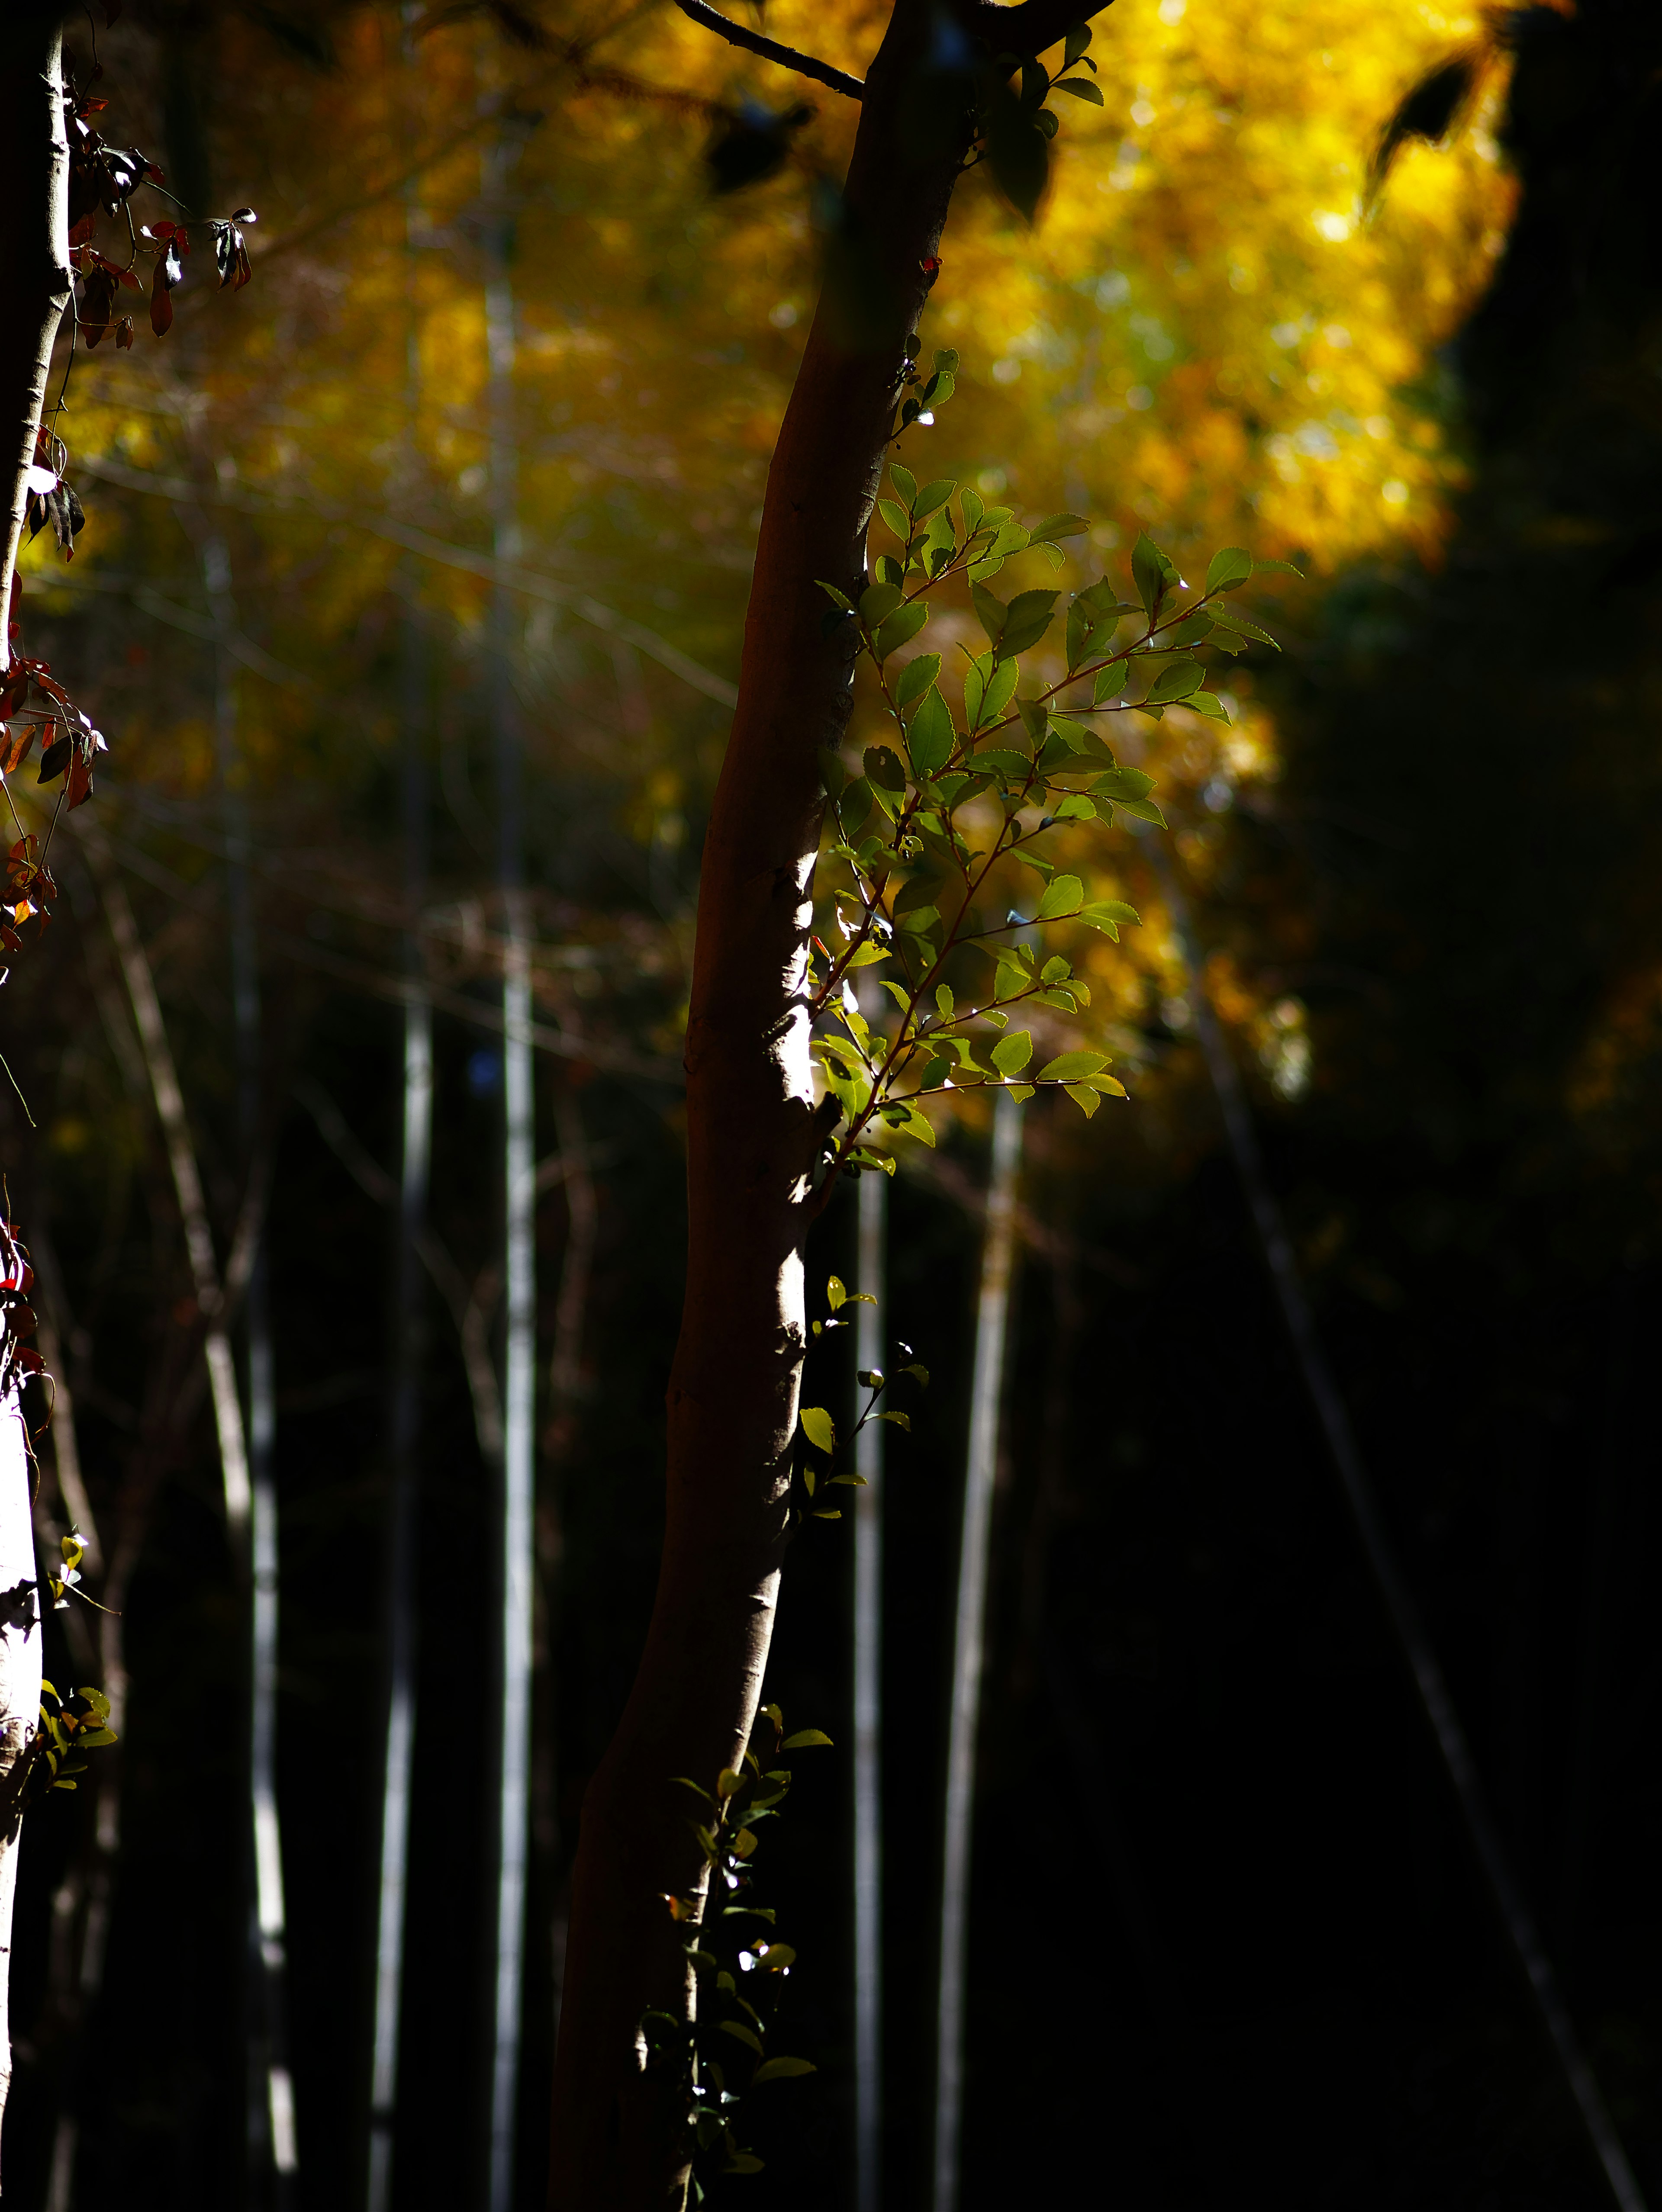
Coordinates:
[1401,1611]
[187,1187]
[868,1717]
[272,2132]
[969,1642]
[404,1411]
[519,1180]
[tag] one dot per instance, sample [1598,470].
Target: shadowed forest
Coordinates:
[409,600]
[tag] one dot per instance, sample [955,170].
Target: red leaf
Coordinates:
[162,305]
[79,784]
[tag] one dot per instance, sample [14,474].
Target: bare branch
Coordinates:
[711,19]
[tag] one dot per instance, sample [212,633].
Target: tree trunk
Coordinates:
[34,248]
[752,1140]
[20,1672]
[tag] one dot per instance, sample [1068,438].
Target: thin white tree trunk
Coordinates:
[519,1190]
[35,281]
[272,2132]
[873,1191]
[188,1189]
[992,1321]
[20,1672]
[403,1431]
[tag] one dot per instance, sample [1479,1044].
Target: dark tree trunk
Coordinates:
[752,1137]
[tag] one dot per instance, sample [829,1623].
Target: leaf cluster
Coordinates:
[726,1957]
[970,782]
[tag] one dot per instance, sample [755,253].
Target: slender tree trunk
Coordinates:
[969,1642]
[20,1672]
[869,1332]
[752,1139]
[35,283]
[35,289]
[518,1207]
[403,1425]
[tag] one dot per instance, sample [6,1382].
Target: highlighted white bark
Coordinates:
[519,1200]
[19,1674]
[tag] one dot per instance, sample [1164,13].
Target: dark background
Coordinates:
[1228,1941]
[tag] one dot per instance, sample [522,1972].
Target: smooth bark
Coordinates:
[35,283]
[20,1672]
[752,1139]
[969,1641]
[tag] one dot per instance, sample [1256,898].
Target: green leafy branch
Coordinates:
[820,1430]
[51,1758]
[901,828]
[726,1958]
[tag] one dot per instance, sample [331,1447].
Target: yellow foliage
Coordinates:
[1206,334]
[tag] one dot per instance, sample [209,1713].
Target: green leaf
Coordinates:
[1230,565]
[916,1124]
[1079,38]
[930,736]
[868,955]
[904,481]
[837,598]
[1110,681]
[1063,895]
[1084,1097]
[934,494]
[885,768]
[989,612]
[1111,910]
[902,626]
[1277,568]
[1124,783]
[897,519]
[1236,620]
[1029,616]
[1058,526]
[818,1428]
[946,357]
[1180,681]
[999,691]
[1080,86]
[940,388]
[742,2034]
[876,601]
[837,1296]
[1152,572]
[780,2070]
[1011,1052]
[806,1740]
[833,771]
[1003,761]
[1070,1067]
[1210,704]
[915,678]
[1144,809]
